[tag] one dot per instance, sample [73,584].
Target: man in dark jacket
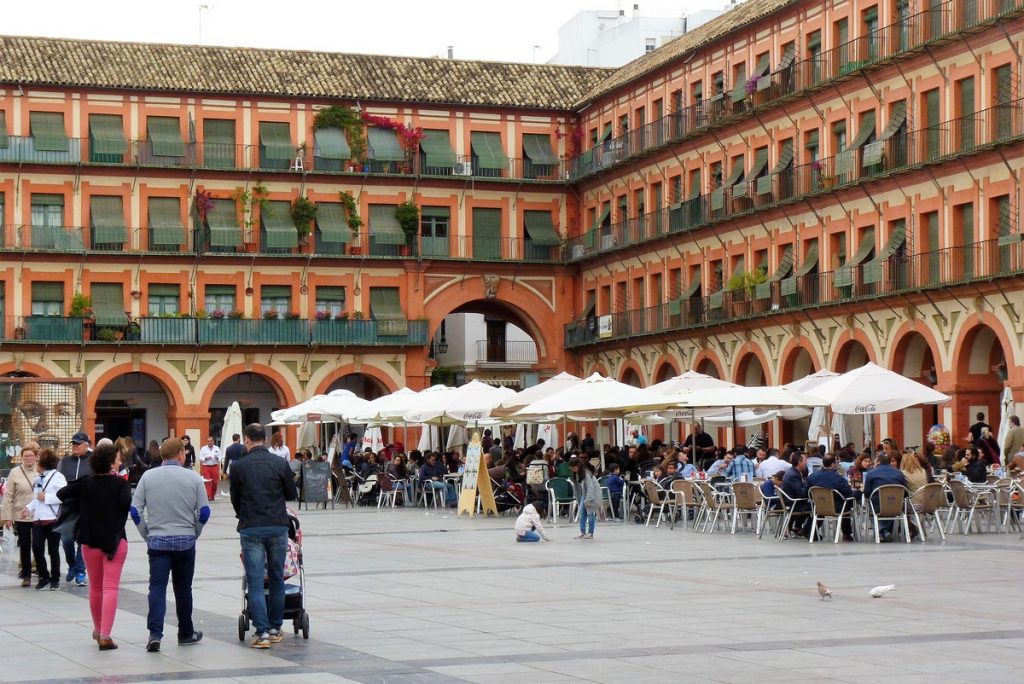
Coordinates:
[794,484]
[234,452]
[882,474]
[261,483]
[75,466]
[829,478]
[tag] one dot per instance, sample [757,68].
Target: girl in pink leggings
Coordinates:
[103,502]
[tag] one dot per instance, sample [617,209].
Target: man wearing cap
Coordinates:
[209,460]
[75,466]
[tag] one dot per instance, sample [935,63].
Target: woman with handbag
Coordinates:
[102,501]
[18,492]
[43,510]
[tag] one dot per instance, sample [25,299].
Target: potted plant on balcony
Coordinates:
[352,219]
[107,335]
[351,125]
[270,315]
[742,285]
[303,215]
[81,307]
[408,216]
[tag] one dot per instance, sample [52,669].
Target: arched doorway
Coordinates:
[257,396]
[799,364]
[631,377]
[359,384]
[134,405]
[981,374]
[665,372]
[913,358]
[853,354]
[486,341]
[750,372]
[708,367]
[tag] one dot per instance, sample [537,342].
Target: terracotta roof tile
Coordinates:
[290,73]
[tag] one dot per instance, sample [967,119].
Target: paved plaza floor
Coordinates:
[412,596]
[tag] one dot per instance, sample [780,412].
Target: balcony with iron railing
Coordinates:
[989,260]
[504,353]
[189,331]
[222,156]
[951,139]
[934,25]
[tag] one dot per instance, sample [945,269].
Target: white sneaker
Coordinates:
[580,536]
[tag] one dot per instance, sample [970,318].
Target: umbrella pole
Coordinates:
[599,422]
[734,433]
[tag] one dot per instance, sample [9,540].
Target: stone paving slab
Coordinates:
[415,596]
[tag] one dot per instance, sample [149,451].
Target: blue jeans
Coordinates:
[587,519]
[528,536]
[180,566]
[73,554]
[263,554]
[449,491]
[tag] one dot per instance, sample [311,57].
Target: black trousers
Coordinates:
[24,532]
[46,537]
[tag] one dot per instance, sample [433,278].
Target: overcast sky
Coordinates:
[478,29]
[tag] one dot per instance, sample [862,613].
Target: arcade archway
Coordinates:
[257,395]
[981,374]
[135,405]
[914,358]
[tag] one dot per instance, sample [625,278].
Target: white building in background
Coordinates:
[611,38]
[490,350]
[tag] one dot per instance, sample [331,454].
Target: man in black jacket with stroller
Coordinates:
[261,483]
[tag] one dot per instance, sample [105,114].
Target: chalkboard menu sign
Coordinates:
[316,479]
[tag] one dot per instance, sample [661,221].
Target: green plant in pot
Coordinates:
[81,306]
[351,124]
[303,215]
[743,284]
[408,216]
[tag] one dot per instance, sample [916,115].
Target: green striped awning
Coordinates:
[867,129]
[165,226]
[384,145]
[107,217]
[331,143]
[386,310]
[760,163]
[488,151]
[223,222]
[538,149]
[763,65]
[47,129]
[3,129]
[605,214]
[785,157]
[278,225]
[739,88]
[693,289]
[606,134]
[540,228]
[785,265]
[844,275]
[276,140]
[219,131]
[437,149]
[330,219]
[384,225]
[788,57]
[165,136]
[46,291]
[108,303]
[738,165]
[896,119]
[107,134]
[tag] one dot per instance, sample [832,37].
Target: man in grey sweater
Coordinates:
[170,509]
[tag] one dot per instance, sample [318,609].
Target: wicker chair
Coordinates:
[658,498]
[823,507]
[928,501]
[747,501]
[891,505]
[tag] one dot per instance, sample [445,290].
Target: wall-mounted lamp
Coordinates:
[442,345]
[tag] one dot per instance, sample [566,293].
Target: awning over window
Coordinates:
[276,140]
[540,228]
[107,217]
[873,271]
[437,148]
[280,229]
[606,134]
[165,136]
[384,145]
[108,304]
[331,143]
[107,134]
[47,129]
[47,292]
[384,225]
[788,57]
[487,227]
[788,285]
[165,226]
[223,222]
[590,308]
[330,219]
[538,149]
[488,151]
[739,88]
[695,185]
[219,131]
[867,129]
[760,164]
[737,173]
[785,265]
[164,290]
[693,289]
[386,310]
[812,139]
[844,275]
[763,65]
[785,157]
[896,119]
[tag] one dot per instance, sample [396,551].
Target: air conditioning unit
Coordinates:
[462,169]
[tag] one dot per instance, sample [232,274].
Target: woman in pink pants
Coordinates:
[103,502]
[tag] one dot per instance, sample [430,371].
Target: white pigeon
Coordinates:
[879,592]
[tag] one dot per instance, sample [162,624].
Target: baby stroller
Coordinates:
[294,605]
[508,497]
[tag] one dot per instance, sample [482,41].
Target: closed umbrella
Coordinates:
[232,425]
[1006,408]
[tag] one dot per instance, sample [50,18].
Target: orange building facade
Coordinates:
[791,187]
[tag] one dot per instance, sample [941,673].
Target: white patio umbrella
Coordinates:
[232,425]
[389,409]
[469,404]
[872,389]
[691,379]
[343,405]
[1006,408]
[372,439]
[771,397]
[429,439]
[806,384]
[529,395]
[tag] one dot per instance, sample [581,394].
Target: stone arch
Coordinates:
[284,392]
[666,367]
[852,352]
[983,364]
[165,380]
[708,363]
[382,378]
[799,359]
[15,370]
[630,374]
[915,355]
[133,406]
[749,358]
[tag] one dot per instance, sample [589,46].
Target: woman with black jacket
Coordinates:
[102,501]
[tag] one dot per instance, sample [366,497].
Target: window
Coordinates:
[330,299]
[4,142]
[218,143]
[164,134]
[107,143]
[963,215]
[275,298]
[276,149]
[487,233]
[677,100]
[106,219]
[166,231]
[623,208]
[48,224]
[639,208]
[839,136]
[624,124]
[677,189]
[1002,95]
[718,81]
[869,24]
[811,146]
[933,132]
[814,55]
[640,117]
[434,226]
[164,300]
[47,299]
[650,44]
[965,105]
[220,298]
[47,129]
[386,311]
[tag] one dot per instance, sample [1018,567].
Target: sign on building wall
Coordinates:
[604,326]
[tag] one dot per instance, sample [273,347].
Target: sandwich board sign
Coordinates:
[475,479]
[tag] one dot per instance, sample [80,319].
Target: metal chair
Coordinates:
[745,501]
[771,507]
[927,503]
[686,501]
[431,497]
[823,507]
[891,505]
[658,498]
[790,506]
[561,493]
[714,503]
[966,503]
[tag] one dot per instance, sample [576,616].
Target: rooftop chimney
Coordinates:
[451,52]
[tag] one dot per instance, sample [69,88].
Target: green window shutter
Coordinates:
[47,292]
[220,291]
[931,108]
[219,143]
[386,310]
[739,88]
[108,303]
[384,226]
[270,292]
[537,149]
[844,276]
[107,219]
[276,140]
[896,119]
[47,129]
[872,272]
[487,233]
[785,265]
[165,226]
[763,65]
[280,229]
[1004,84]
[332,144]
[383,145]
[738,167]
[785,158]
[3,130]
[760,164]
[1003,216]
[867,129]
[605,214]
[540,228]
[487,148]
[693,289]
[788,57]
[437,149]
[695,185]
[165,136]
[106,134]
[223,222]
[330,292]
[164,290]
[330,219]
[435,212]
[606,134]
